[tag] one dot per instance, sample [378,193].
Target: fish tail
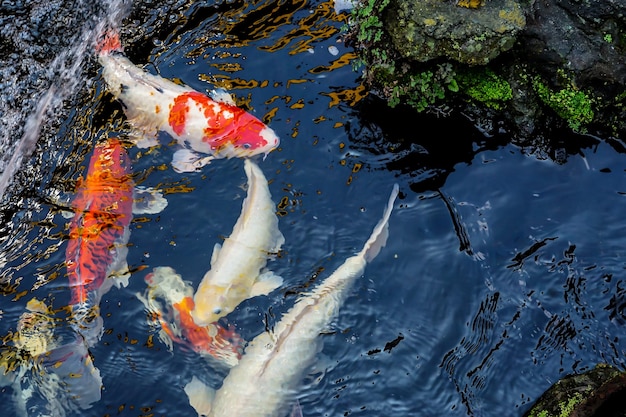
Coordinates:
[79,380]
[109,43]
[87,321]
[378,239]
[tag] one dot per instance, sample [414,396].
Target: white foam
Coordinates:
[341,5]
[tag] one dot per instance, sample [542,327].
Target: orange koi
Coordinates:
[202,125]
[99,230]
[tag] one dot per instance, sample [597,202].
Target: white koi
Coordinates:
[236,266]
[266,380]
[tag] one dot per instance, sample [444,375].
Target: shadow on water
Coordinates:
[427,146]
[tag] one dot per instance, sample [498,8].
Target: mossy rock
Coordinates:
[422,30]
[596,393]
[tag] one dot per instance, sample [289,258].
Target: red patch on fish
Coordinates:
[199,338]
[103,206]
[225,123]
[109,43]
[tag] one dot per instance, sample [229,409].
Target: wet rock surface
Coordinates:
[38,54]
[588,38]
[595,393]
[430,29]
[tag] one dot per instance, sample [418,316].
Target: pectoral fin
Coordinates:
[148,200]
[378,238]
[188,161]
[142,134]
[296,410]
[266,283]
[200,396]
[222,96]
[216,252]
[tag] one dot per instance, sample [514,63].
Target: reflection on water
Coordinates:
[503,271]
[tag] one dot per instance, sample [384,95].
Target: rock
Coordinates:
[584,37]
[598,392]
[423,30]
[541,65]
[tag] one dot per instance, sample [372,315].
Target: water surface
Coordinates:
[503,271]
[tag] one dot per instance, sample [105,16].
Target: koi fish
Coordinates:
[264,382]
[217,128]
[44,365]
[170,299]
[99,231]
[236,266]
[95,256]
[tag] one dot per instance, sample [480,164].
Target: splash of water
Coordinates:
[64,79]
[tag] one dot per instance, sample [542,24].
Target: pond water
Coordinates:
[503,272]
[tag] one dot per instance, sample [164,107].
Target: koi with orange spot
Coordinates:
[103,205]
[170,299]
[206,128]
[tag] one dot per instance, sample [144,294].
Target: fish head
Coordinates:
[212,307]
[229,130]
[252,137]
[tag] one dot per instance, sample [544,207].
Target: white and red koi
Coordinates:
[202,125]
[170,300]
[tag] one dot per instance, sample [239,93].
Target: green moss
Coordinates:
[565,408]
[485,86]
[571,104]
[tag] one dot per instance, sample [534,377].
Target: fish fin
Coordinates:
[216,252]
[323,364]
[167,335]
[76,377]
[296,410]
[148,200]
[265,284]
[378,238]
[222,96]
[279,240]
[120,279]
[118,272]
[200,396]
[141,136]
[186,160]
[319,369]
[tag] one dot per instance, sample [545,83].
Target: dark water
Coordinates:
[503,271]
